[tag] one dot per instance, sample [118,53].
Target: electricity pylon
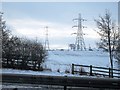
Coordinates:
[79,43]
[46,39]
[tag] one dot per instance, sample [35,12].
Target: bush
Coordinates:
[58,70]
[67,71]
[22,53]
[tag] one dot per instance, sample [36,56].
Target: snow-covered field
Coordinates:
[62,60]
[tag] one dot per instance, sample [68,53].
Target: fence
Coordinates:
[95,71]
[65,81]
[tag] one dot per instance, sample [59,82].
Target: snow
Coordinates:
[63,60]
[11,71]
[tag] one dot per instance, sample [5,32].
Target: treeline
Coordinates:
[22,53]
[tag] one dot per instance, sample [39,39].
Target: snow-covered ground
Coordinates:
[62,60]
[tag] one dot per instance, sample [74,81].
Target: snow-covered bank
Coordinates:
[14,71]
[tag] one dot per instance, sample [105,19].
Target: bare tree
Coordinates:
[108,34]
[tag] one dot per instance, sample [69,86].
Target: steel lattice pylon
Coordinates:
[46,39]
[79,43]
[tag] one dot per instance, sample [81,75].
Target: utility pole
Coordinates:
[79,43]
[46,39]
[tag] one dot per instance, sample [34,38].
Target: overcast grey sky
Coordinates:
[29,18]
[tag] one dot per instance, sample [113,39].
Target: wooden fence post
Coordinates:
[65,87]
[72,68]
[110,72]
[90,70]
